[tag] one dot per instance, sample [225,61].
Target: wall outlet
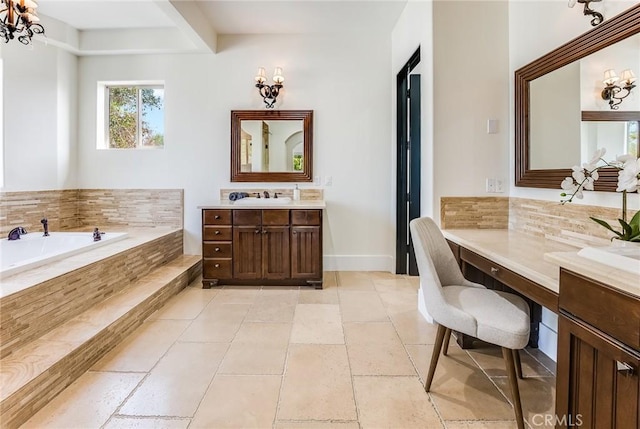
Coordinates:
[328,180]
[499,185]
[491,185]
[316,180]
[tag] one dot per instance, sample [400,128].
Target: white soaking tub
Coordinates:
[33,250]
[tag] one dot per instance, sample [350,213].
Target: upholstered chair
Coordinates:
[457,304]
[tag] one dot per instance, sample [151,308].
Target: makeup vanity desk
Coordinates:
[598,307]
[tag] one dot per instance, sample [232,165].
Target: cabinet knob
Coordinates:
[257,231]
[264,231]
[217,265]
[624,368]
[217,249]
[494,270]
[217,232]
[294,232]
[216,217]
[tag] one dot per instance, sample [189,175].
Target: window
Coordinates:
[134,116]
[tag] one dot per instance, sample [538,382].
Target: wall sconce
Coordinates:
[611,91]
[597,16]
[269,93]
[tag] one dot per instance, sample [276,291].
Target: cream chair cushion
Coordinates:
[496,317]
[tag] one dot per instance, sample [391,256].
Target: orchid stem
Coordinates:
[624,206]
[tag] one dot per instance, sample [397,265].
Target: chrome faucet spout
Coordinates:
[266,194]
[45,224]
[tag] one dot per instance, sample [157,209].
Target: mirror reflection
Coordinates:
[559,137]
[271,146]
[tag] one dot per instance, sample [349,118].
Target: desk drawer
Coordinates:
[609,310]
[532,290]
[216,217]
[217,268]
[216,250]
[216,233]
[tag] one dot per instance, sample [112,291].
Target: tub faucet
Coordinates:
[97,234]
[45,225]
[16,232]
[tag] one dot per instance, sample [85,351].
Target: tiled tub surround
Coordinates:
[36,301]
[78,208]
[568,223]
[57,320]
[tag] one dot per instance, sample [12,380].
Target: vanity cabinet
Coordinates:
[262,247]
[598,355]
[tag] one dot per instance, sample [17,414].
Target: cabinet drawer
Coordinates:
[216,250]
[305,217]
[275,217]
[216,233]
[247,217]
[217,268]
[216,217]
[532,290]
[609,310]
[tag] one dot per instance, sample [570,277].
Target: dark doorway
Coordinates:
[408,163]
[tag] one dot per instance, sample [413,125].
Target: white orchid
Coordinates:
[629,176]
[582,178]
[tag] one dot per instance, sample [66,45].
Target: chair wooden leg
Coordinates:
[434,356]
[445,346]
[507,354]
[516,360]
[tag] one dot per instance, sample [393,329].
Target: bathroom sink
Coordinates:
[253,201]
[625,257]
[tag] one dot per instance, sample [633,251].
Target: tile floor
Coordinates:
[353,355]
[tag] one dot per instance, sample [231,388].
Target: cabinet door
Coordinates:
[275,252]
[247,252]
[306,252]
[597,379]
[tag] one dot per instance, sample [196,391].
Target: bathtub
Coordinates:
[34,250]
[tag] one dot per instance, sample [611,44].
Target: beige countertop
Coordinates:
[622,280]
[521,253]
[301,204]
[539,259]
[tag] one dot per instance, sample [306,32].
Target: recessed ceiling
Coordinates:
[301,16]
[106,14]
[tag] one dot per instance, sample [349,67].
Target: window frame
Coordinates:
[103,129]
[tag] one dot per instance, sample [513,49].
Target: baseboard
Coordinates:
[548,342]
[358,263]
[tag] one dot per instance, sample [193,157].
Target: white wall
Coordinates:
[40,108]
[471,82]
[344,79]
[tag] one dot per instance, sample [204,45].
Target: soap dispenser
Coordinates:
[296,193]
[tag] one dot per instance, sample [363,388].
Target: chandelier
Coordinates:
[18,18]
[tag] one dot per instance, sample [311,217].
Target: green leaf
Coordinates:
[606,225]
[628,232]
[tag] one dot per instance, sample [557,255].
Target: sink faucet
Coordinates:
[45,225]
[16,232]
[266,194]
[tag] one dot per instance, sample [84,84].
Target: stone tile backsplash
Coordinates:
[77,208]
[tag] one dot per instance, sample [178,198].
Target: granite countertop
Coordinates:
[622,280]
[521,253]
[300,204]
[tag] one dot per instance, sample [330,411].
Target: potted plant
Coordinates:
[583,178]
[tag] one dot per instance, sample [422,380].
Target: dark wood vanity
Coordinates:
[257,246]
[598,355]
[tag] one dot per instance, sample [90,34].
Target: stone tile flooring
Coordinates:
[353,355]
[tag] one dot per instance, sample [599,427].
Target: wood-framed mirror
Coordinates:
[527,174]
[272,145]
